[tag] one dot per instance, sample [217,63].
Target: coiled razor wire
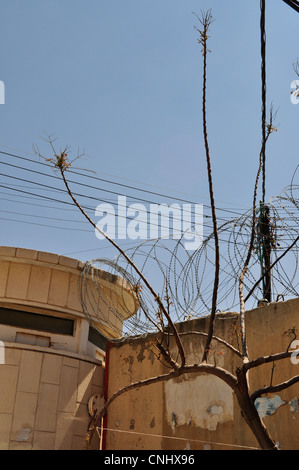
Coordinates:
[184,279]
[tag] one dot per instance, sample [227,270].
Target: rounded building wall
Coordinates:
[53,359]
[44,398]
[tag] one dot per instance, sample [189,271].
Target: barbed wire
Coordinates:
[184,279]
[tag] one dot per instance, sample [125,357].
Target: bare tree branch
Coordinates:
[206,20]
[266,359]
[274,388]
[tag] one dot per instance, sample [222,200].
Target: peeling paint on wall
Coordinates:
[23,434]
[204,401]
[294,405]
[268,406]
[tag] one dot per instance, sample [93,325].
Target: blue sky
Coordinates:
[121,79]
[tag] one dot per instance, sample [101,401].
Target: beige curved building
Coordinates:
[51,358]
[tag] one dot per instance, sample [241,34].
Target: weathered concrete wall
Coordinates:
[200,411]
[39,281]
[44,398]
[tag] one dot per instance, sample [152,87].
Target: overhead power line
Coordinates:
[100,189]
[15,188]
[103,180]
[293,4]
[89,197]
[68,203]
[86,208]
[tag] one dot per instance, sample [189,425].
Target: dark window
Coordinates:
[96,338]
[35,321]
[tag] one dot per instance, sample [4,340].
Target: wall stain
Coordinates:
[145,347]
[204,401]
[174,419]
[140,355]
[268,406]
[129,360]
[132,424]
[294,405]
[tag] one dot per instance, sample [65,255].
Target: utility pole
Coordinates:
[264,247]
[264,243]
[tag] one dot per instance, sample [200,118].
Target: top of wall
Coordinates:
[52,258]
[264,313]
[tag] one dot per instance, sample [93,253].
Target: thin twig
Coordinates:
[274,388]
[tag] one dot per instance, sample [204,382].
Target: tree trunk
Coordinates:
[250,414]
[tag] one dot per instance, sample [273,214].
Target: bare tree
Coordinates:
[238,381]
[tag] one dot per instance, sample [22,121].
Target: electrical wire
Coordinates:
[293,4]
[50,188]
[107,181]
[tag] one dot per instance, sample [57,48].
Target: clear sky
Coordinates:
[121,80]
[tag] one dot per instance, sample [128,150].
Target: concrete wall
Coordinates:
[44,398]
[42,282]
[200,411]
[48,379]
